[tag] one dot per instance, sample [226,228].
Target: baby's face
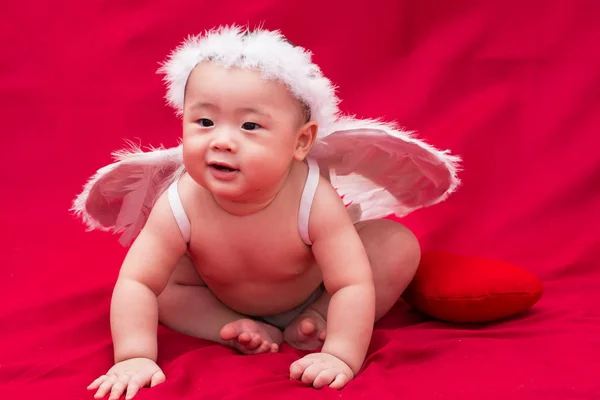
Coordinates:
[240,131]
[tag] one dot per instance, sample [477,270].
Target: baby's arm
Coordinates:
[134,309]
[347,277]
[143,276]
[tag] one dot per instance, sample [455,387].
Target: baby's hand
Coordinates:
[322,369]
[131,374]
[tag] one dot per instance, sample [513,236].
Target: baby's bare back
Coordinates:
[255,264]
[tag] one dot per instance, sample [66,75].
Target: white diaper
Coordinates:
[283,319]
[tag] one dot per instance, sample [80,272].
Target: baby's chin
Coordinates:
[228,191]
[241,189]
[232,191]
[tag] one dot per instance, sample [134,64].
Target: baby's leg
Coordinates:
[394,254]
[189,307]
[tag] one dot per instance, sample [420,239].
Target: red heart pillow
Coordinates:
[456,288]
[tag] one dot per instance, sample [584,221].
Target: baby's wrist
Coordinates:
[125,354]
[134,357]
[344,354]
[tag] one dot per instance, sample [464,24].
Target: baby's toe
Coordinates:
[255,342]
[264,347]
[307,327]
[307,331]
[245,338]
[323,335]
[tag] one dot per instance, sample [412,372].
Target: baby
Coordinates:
[251,246]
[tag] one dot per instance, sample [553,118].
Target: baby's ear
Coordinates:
[305,137]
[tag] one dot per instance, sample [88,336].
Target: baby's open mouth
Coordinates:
[222,167]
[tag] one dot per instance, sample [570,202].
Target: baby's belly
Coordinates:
[265,297]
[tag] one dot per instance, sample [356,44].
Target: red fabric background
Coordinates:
[511,86]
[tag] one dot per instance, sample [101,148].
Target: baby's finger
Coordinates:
[325,377]
[133,387]
[297,368]
[96,384]
[119,387]
[105,387]
[311,372]
[158,378]
[340,381]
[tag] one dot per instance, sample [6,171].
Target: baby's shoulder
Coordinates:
[191,194]
[326,196]
[328,215]
[327,203]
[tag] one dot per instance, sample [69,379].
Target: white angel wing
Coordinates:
[119,196]
[380,170]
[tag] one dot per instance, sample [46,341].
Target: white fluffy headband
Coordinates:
[268,51]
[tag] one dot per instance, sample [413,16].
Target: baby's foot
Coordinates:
[307,331]
[251,337]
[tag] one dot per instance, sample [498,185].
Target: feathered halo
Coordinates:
[268,51]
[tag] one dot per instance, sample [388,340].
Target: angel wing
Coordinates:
[380,170]
[119,196]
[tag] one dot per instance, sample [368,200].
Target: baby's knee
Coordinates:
[403,254]
[406,250]
[405,244]
[185,273]
[168,300]
[392,237]
[392,245]
[177,291]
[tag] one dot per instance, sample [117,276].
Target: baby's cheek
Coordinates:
[196,172]
[194,150]
[194,160]
[272,162]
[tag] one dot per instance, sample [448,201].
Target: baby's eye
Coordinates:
[250,126]
[204,122]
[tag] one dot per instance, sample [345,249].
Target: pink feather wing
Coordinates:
[120,196]
[384,171]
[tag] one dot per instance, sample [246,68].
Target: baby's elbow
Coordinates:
[361,287]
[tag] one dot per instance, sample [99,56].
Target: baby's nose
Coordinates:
[224,142]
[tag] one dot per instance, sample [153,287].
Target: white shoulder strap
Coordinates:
[179,212]
[308,194]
